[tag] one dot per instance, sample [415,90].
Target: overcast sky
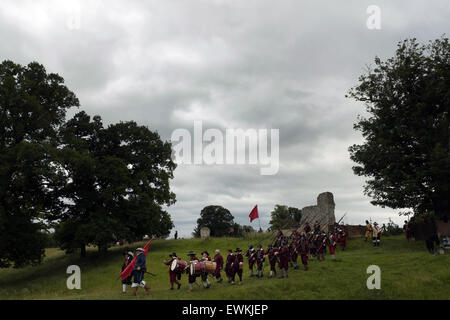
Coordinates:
[258,64]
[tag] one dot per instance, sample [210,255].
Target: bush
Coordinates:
[392,229]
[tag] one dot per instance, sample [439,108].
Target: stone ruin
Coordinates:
[322,212]
[205,233]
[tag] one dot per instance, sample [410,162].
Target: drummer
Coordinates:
[192,278]
[174,277]
[204,275]
[218,259]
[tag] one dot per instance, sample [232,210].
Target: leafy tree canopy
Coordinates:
[406,131]
[218,219]
[285,217]
[33,105]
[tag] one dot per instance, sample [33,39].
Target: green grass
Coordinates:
[407,272]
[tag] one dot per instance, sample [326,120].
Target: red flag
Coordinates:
[129,269]
[254,214]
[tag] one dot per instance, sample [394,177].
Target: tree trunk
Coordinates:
[442,208]
[83,251]
[102,248]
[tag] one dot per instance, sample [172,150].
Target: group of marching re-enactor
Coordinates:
[311,243]
[286,250]
[201,268]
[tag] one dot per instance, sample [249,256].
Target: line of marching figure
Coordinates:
[282,251]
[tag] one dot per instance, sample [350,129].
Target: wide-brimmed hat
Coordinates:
[139,249]
[191,253]
[238,250]
[173,254]
[205,252]
[230,250]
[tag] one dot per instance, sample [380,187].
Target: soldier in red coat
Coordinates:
[283,255]
[303,249]
[271,254]
[172,275]
[342,238]
[307,228]
[229,270]
[204,275]
[321,246]
[192,277]
[259,261]
[218,259]
[238,264]
[317,227]
[332,243]
[293,251]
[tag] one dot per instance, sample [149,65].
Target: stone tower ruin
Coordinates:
[322,212]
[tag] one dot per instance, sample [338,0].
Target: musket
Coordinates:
[342,218]
[152,274]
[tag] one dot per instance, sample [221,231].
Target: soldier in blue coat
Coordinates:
[139,271]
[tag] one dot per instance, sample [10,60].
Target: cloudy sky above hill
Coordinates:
[258,64]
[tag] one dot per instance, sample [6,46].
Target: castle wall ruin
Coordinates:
[323,212]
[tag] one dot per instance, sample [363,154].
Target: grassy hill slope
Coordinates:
[407,272]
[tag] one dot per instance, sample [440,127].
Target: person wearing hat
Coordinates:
[283,255]
[342,238]
[128,258]
[192,278]
[229,269]
[250,254]
[332,243]
[205,257]
[303,249]
[218,259]
[376,234]
[174,277]
[316,227]
[307,228]
[259,261]
[293,252]
[322,248]
[139,271]
[368,230]
[239,260]
[271,254]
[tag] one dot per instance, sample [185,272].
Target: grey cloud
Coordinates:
[245,64]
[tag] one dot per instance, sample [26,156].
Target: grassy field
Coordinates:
[407,272]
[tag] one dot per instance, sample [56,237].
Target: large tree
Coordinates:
[217,218]
[285,217]
[33,106]
[117,182]
[406,132]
